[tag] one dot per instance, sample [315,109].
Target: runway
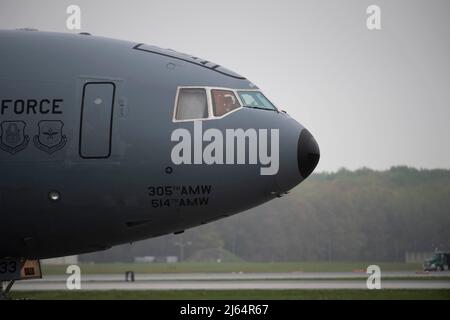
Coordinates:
[238,281]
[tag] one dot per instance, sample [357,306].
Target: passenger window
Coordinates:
[192,104]
[224,101]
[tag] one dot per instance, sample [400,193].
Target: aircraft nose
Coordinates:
[308,153]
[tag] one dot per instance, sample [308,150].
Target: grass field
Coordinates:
[238,295]
[245,267]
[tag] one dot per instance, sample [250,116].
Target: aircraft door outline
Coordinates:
[96,122]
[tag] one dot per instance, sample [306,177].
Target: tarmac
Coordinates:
[238,281]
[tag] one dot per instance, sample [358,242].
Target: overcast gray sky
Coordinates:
[371,98]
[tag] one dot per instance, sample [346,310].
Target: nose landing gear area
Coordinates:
[13,269]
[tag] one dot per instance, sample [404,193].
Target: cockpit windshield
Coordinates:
[196,103]
[255,99]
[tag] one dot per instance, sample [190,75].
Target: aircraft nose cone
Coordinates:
[308,153]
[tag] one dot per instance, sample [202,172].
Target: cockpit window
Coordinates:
[224,101]
[208,103]
[192,104]
[255,99]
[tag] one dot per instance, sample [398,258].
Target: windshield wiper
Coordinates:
[259,108]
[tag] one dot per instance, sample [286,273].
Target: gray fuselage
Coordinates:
[75,180]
